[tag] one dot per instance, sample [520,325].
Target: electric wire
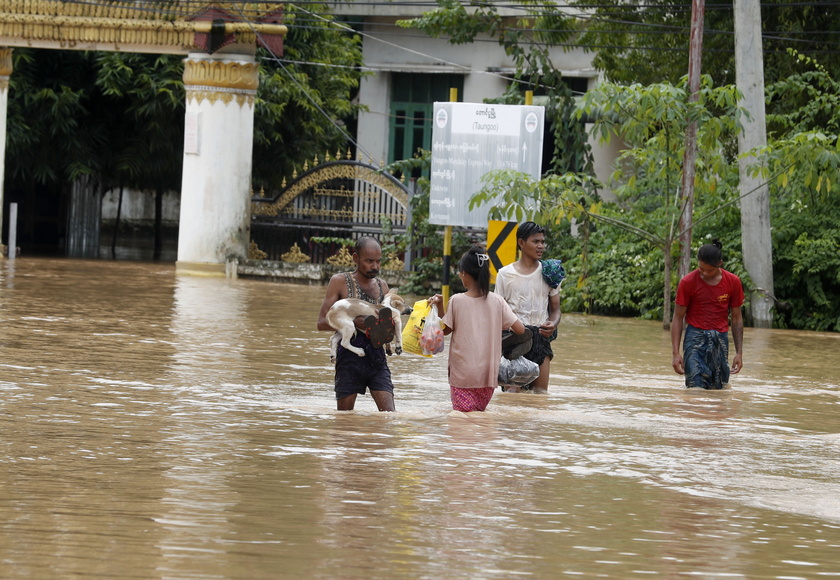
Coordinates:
[185,8]
[314,103]
[189,7]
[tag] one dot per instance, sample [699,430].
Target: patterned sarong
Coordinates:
[467,400]
[706,356]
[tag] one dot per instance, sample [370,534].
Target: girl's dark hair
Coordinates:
[711,253]
[476,263]
[528,229]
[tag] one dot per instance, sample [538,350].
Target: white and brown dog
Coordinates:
[342,314]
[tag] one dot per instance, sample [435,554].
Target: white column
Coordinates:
[218,142]
[5,73]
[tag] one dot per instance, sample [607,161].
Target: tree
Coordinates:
[47,103]
[117,119]
[308,92]
[804,152]
[647,42]
[144,96]
[52,139]
[651,120]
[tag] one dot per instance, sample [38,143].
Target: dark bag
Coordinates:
[516,345]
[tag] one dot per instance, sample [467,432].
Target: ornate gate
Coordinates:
[335,198]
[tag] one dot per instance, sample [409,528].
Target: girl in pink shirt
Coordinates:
[475,319]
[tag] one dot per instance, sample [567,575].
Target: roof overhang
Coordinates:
[151,27]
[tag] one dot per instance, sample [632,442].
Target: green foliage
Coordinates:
[617,272]
[428,268]
[651,121]
[801,164]
[51,133]
[804,101]
[625,275]
[451,19]
[305,99]
[648,42]
[621,248]
[804,112]
[144,99]
[516,196]
[804,115]
[806,252]
[344,242]
[120,116]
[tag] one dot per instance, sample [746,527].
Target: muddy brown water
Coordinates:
[155,426]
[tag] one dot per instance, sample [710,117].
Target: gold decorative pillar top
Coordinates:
[228,74]
[6,62]
[6,67]
[216,79]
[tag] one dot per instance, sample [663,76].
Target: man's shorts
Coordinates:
[354,374]
[540,346]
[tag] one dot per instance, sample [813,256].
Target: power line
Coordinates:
[320,109]
[186,8]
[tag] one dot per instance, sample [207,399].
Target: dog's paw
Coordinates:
[332,360]
[399,350]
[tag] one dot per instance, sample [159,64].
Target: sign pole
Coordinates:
[447,235]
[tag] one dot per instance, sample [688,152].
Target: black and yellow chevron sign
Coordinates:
[501,245]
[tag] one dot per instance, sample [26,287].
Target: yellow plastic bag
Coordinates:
[414,328]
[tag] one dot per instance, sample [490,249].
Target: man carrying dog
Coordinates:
[355,374]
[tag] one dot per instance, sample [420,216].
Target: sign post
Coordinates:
[447,235]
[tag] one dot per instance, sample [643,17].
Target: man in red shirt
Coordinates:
[706,298]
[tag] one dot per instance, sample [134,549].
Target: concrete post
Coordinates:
[756,241]
[218,142]
[5,73]
[13,231]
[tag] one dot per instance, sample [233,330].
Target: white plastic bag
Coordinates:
[517,372]
[431,339]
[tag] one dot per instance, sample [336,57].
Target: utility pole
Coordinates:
[695,55]
[756,242]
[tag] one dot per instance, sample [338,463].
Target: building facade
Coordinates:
[409,71]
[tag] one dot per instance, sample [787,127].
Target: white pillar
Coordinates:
[5,73]
[215,215]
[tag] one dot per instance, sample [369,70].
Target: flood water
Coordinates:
[154,426]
